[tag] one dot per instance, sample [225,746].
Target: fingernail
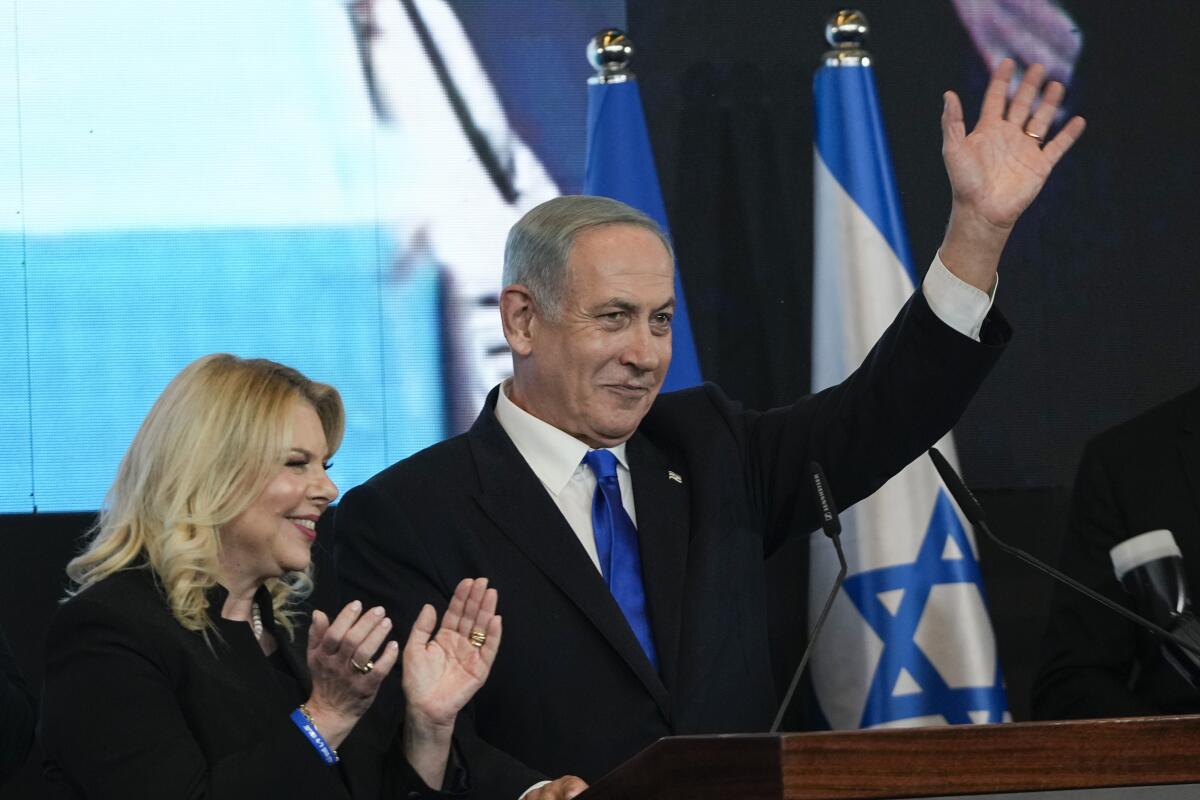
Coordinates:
[377,611]
[356,605]
[387,623]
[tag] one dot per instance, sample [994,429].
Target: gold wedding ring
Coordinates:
[363,669]
[1034,136]
[477,637]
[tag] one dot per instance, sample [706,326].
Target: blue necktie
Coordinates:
[617,547]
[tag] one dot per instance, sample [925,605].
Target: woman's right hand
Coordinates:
[342,692]
[443,670]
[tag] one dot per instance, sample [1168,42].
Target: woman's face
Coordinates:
[274,535]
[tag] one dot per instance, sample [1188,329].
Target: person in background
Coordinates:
[184,664]
[1140,476]
[16,714]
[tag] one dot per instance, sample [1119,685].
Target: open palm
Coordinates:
[442,671]
[997,170]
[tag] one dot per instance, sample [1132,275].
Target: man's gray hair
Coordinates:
[540,243]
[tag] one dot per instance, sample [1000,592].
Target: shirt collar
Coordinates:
[552,454]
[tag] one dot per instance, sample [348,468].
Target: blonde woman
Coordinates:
[183,664]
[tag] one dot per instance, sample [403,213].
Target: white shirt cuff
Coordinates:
[956,303]
[531,788]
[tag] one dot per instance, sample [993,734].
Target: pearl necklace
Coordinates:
[256,621]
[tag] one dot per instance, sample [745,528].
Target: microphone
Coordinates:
[832,526]
[1150,567]
[974,513]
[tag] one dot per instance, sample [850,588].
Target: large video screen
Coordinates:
[321,182]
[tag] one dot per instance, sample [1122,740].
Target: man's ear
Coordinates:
[518,314]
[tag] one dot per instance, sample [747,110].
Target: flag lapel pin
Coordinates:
[674,476]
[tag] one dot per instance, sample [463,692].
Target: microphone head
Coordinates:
[962,495]
[830,523]
[1150,567]
[1141,550]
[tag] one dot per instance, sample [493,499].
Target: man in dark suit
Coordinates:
[1143,475]
[627,530]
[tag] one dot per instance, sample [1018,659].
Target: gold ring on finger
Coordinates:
[363,669]
[477,637]
[1041,141]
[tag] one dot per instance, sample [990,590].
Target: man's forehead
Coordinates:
[614,254]
[620,235]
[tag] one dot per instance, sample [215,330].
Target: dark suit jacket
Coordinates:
[134,705]
[1141,476]
[16,714]
[571,692]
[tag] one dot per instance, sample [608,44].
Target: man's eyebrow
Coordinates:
[627,305]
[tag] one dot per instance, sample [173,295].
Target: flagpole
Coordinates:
[609,52]
[846,31]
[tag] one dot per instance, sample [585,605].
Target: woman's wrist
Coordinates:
[427,747]
[332,726]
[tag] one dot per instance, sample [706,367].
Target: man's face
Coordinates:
[596,369]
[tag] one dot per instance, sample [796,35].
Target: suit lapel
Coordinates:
[660,494]
[515,500]
[1189,447]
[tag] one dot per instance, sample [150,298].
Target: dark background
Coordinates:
[1100,280]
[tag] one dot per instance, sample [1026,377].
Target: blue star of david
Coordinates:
[900,650]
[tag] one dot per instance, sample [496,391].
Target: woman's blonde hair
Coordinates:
[207,449]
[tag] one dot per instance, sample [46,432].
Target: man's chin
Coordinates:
[617,428]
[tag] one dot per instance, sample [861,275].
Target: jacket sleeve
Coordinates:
[909,392]
[381,562]
[114,727]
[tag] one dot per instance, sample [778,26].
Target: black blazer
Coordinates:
[16,714]
[571,691]
[1140,476]
[134,706]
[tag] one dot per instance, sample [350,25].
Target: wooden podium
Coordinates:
[915,762]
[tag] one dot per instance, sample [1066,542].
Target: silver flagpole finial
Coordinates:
[846,31]
[609,52]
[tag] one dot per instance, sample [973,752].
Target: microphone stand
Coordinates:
[833,529]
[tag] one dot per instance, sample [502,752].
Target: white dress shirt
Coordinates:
[557,460]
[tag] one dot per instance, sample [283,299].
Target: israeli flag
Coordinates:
[909,641]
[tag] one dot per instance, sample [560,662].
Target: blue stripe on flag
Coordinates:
[848,125]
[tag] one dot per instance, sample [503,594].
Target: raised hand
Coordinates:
[345,679]
[443,671]
[998,169]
